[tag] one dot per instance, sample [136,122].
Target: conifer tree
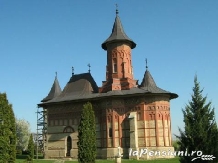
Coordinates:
[200,133]
[12,135]
[87,135]
[7,131]
[30,149]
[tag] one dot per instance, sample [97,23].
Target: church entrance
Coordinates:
[69,146]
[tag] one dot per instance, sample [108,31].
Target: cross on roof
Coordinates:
[146,63]
[89,67]
[117,12]
[72,71]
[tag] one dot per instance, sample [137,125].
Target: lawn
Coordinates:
[174,160]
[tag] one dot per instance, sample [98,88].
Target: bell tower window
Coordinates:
[114,65]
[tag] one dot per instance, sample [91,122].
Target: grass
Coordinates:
[174,160]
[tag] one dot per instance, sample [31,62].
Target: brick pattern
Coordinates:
[119,70]
[152,115]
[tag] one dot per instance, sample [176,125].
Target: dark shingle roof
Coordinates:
[118,34]
[54,92]
[78,81]
[83,87]
[148,80]
[79,86]
[149,84]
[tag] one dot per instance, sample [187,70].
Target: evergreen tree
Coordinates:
[12,135]
[30,148]
[7,131]
[87,135]
[201,133]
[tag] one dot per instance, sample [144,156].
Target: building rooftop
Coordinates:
[118,34]
[54,92]
[84,87]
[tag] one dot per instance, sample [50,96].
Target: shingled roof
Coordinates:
[79,86]
[149,84]
[118,34]
[54,92]
[83,87]
[83,83]
[148,80]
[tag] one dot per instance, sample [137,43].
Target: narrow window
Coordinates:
[110,132]
[139,116]
[114,65]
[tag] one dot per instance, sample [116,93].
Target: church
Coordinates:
[129,114]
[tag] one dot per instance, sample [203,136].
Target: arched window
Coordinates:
[69,145]
[110,132]
[114,65]
[68,129]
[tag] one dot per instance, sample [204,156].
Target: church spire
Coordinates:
[148,80]
[118,34]
[55,90]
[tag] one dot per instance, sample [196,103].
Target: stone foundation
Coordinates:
[50,154]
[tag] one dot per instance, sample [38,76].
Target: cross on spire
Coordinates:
[117,12]
[56,74]
[146,61]
[89,67]
[72,71]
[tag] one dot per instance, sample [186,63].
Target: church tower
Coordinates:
[119,69]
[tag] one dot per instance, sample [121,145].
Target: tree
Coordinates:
[30,149]
[7,131]
[87,135]
[175,144]
[23,134]
[200,133]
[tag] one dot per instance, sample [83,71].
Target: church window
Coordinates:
[68,129]
[114,65]
[151,117]
[128,65]
[110,132]
[139,116]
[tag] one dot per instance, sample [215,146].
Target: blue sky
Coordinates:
[38,38]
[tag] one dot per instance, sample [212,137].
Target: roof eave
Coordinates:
[171,96]
[130,42]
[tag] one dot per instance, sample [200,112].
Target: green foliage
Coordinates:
[87,135]
[175,144]
[201,133]
[7,131]
[30,149]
